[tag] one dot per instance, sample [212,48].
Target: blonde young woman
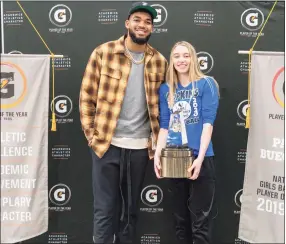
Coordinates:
[188,90]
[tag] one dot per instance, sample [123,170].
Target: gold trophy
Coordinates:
[175,160]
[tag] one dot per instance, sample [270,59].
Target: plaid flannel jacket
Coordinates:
[103,88]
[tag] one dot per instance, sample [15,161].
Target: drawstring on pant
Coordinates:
[129,186]
[121,169]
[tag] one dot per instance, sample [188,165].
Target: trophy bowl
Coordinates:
[175,162]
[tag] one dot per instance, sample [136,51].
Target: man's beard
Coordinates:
[139,41]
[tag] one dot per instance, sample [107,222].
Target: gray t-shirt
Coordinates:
[133,120]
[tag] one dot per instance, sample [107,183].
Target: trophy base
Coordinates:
[175,162]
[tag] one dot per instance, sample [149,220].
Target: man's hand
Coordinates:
[196,168]
[157,166]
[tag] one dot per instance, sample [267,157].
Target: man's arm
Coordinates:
[88,94]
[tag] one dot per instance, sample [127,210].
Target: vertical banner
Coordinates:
[24,146]
[262,210]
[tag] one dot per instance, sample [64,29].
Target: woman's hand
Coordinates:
[196,168]
[161,143]
[157,165]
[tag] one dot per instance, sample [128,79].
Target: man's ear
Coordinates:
[127,22]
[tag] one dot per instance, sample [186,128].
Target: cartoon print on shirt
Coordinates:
[186,101]
[183,106]
[175,124]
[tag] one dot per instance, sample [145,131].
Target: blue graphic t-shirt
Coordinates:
[175,131]
[197,104]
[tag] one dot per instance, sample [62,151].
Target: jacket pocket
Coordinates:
[155,80]
[109,84]
[102,120]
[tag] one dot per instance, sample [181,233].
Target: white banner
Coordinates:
[24,146]
[262,209]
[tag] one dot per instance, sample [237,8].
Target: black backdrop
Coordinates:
[216,29]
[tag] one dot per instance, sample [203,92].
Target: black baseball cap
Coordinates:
[137,6]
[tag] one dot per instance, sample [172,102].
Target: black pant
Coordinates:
[117,181]
[198,195]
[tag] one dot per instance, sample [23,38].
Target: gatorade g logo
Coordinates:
[63,106]
[238,199]
[13,85]
[242,109]
[278,87]
[252,19]
[206,62]
[162,15]
[60,15]
[60,194]
[152,195]
[7,90]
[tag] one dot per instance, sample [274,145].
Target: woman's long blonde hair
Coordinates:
[194,71]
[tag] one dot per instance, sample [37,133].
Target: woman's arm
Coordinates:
[162,139]
[164,125]
[161,143]
[205,140]
[209,111]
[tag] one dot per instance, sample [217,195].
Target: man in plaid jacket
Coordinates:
[119,115]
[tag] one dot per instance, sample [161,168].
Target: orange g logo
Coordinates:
[278,87]
[13,85]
